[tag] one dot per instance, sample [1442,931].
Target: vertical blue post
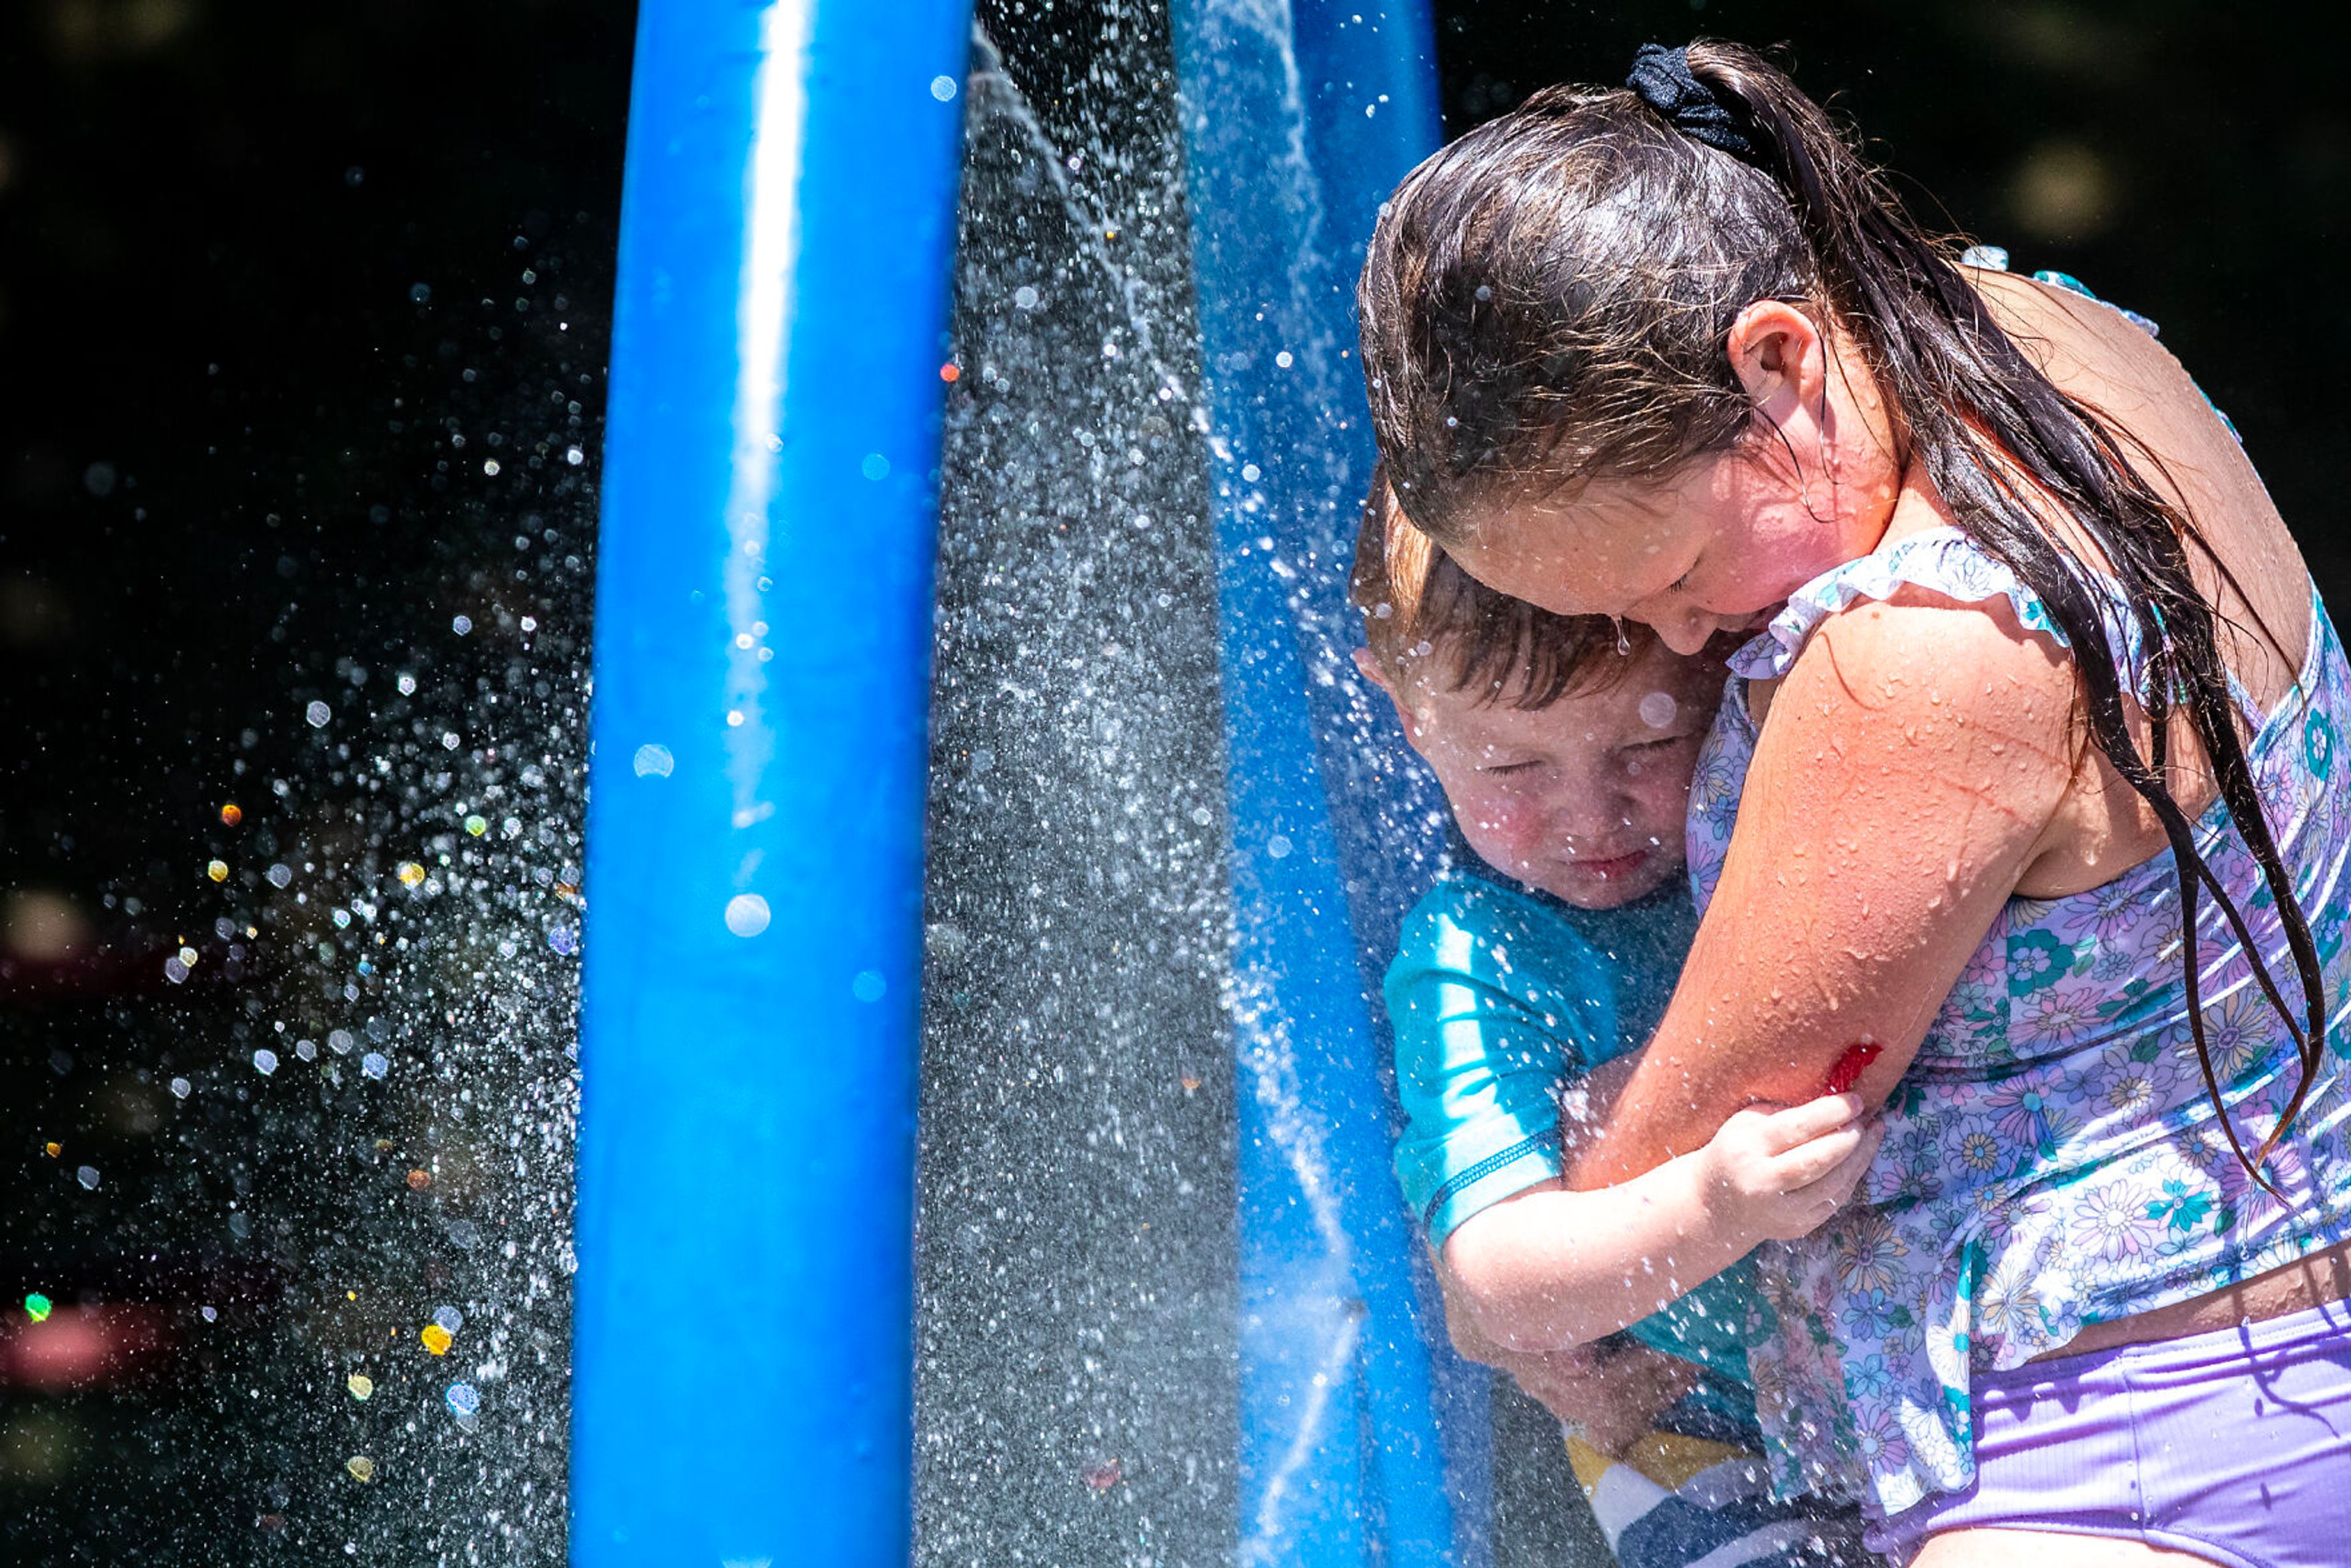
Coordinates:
[1297,120]
[742,1361]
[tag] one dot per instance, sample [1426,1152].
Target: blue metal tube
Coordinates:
[1298,121]
[741,1373]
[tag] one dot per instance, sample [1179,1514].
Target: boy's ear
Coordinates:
[1379,677]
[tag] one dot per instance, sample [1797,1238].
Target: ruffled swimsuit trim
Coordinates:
[1942,560]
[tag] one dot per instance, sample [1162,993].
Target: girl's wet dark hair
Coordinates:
[1421,611]
[1547,301]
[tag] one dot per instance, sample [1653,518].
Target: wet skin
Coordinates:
[1921,763]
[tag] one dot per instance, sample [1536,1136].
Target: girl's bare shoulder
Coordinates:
[2176,442]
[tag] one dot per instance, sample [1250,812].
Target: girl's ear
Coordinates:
[1780,359]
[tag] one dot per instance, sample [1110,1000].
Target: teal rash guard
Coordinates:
[1500,996]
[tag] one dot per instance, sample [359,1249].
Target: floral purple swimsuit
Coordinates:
[2051,1159]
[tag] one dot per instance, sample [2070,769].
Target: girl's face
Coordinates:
[1716,547]
[1721,543]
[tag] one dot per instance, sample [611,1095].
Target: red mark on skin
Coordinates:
[1852,1065]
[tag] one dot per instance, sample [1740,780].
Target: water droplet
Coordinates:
[449,1320]
[477,825]
[419,1180]
[88,1176]
[410,872]
[375,1064]
[181,1088]
[361,1385]
[461,624]
[943,89]
[363,1468]
[1657,709]
[318,714]
[339,1042]
[463,1399]
[868,987]
[280,875]
[875,466]
[1252,473]
[436,1339]
[1284,360]
[420,292]
[264,1061]
[564,940]
[490,467]
[1025,296]
[1278,847]
[307,1049]
[747,914]
[573,455]
[38,1307]
[231,814]
[217,870]
[212,1314]
[174,970]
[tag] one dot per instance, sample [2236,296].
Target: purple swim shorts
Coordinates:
[2234,1446]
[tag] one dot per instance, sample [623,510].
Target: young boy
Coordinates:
[1566,746]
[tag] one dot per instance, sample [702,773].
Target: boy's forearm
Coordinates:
[1552,1268]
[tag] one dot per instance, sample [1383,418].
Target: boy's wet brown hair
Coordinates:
[1427,619]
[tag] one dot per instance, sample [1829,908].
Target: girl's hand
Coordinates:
[1778,1172]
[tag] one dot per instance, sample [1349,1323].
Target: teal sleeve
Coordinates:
[1496,1001]
[1484,1037]
[1713,1322]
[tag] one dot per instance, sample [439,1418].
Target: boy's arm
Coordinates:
[1550,1267]
[1479,1052]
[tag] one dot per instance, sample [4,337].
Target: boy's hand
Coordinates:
[1611,1392]
[1781,1171]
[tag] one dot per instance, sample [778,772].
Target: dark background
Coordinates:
[278,282]
[230,487]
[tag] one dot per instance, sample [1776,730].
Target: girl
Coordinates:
[2032,785]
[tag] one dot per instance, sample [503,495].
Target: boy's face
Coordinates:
[1584,799]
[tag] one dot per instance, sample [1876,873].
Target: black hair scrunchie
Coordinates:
[1662,77]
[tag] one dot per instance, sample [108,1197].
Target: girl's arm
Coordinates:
[1550,1269]
[1914,767]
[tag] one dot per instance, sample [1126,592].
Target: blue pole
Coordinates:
[742,1357]
[1298,121]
